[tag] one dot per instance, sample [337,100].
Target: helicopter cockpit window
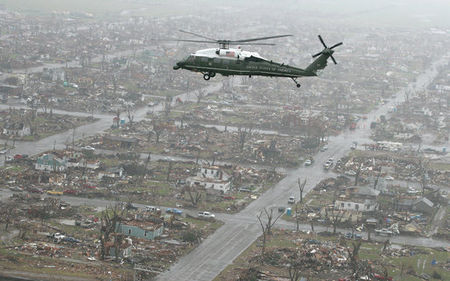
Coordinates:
[252,58]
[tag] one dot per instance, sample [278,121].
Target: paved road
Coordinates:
[221,248]
[105,121]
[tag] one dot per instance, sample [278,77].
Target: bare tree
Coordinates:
[167,105]
[109,220]
[423,174]
[243,135]
[266,222]
[158,129]
[335,217]
[195,194]
[358,172]
[294,267]
[169,170]
[386,245]
[118,239]
[130,114]
[23,227]
[301,188]
[147,161]
[7,213]
[354,258]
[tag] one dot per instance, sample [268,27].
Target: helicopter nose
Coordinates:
[178,66]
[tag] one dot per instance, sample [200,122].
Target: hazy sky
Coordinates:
[397,12]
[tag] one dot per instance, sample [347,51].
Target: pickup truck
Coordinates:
[384,232]
[152,209]
[206,215]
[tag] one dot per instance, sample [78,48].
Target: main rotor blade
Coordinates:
[316,55]
[261,38]
[195,41]
[321,40]
[253,44]
[198,35]
[335,45]
[333,59]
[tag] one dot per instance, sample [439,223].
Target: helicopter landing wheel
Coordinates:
[296,83]
[206,76]
[212,74]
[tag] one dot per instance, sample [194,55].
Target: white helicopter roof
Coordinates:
[230,53]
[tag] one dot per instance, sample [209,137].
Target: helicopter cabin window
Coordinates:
[216,60]
[226,61]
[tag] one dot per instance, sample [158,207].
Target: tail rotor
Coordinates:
[327,51]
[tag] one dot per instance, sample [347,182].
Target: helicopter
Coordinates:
[235,61]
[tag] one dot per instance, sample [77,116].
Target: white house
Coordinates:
[211,177]
[366,205]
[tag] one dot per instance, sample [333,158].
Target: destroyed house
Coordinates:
[422,204]
[124,250]
[357,205]
[17,129]
[358,198]
[11,90]
[120,142]
[363,192]
[113,172]
[49,162]
[139,230]
[211,177]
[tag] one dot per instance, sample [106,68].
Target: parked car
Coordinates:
[174,211]
[349,235]
[152,209]
[70,191]
[130,206]
[35,190]
[308,162]
[206,215]
[325,147]
[245,189]
[88,147]
[350,173]
[54,192]
[16,188]
[70,239]
[384,232]
[57,237]
[291,200]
